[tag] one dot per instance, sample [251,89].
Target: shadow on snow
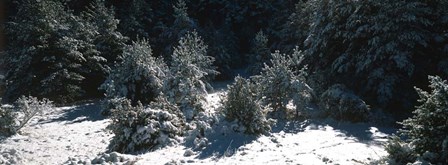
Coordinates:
[80,113]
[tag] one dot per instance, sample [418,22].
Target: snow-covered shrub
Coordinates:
[282,82]
[427,130]
[28,107]
[139,76]
[399,151]
[138,128]
[341,103]
[190,67]
[241,104]
[199,128]
[12,119]
[7,120]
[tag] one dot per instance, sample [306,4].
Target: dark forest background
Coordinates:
[379,50]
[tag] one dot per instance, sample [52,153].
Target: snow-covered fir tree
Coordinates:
[190,68]
[35,65]
[171,34]
[426,132]
[281,82]
[382,43]
[145,128]
[242,105]
[107,40]
[138,77]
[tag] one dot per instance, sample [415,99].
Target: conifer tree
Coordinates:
[35,65]
[260,53]
[383,44]
[189,69]
[138,77]
[426,131]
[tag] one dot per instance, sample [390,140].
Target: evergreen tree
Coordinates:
[136,17]
[138,77]
[260,53]
[383,44]
[281,82]
[100,22]
[182,25]
[189,69]
[425,132]
[35,65]
[241,104]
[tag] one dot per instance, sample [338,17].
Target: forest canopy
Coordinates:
[379,50]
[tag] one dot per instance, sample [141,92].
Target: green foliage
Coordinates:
[382,43]
[135,18]
[342,104]
[138,77]
[260,53]
[189,69]
[241,104]
[139,128]
[399,151]
[33,61]
[281,83]
[58,55]
[426,132]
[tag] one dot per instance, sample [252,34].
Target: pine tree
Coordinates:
[281,82]
[384,44]
[138,77]
[242,104]
[426,131]
[260,53]
[36,65]
[181,26]
[135,19]
[189,69]
[100,21]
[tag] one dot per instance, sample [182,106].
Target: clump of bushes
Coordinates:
[142,122]
[141,128]
[426,133]
[14,118]
[242,105]
[342,104]
[249,101]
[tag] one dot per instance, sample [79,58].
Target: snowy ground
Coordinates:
[72,135]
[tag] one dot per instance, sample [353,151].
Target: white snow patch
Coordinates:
[77,135]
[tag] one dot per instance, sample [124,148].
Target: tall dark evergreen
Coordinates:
[35,65]
[100,20]
[378,48]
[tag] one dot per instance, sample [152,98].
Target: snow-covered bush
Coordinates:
[138,77]
[190,67]
[427,130]
[399,151]
[12,119]
[282,82]
[7,120]
[342,104]
[139,128]
[241,104]
[28,107]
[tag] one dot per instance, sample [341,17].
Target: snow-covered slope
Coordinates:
[77,135]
